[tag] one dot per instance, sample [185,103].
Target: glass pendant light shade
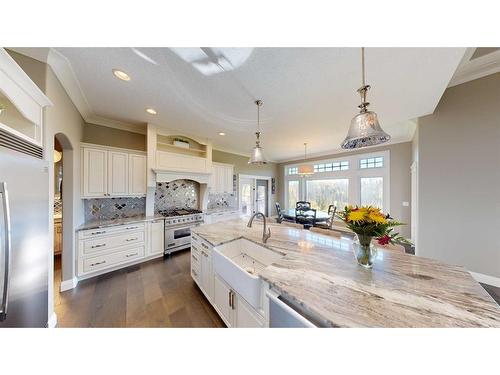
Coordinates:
[305,169]
[257,157]
[365,129]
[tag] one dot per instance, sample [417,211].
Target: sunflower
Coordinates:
[357,215]
[377,217]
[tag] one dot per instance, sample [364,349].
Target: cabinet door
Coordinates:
[219,179]
[137,175]
[156,238]
[117,173]
[207,277]
[222,300]
[244,315]
[95,165]
[228,176]
[212,180]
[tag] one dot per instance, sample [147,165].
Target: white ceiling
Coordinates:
[309,94]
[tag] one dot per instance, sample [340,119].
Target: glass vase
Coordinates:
[364,251]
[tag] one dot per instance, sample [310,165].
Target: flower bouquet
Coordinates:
[370,222]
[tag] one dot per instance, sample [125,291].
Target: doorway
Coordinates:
[58,214]
[254,195]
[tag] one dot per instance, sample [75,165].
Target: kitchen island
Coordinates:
[320,277]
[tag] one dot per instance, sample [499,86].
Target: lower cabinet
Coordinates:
[231,307]
[156,237]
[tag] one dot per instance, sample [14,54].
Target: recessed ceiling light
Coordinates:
[151,111]
[121,75]
[222,133]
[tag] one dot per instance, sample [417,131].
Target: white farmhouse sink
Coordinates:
[238,263]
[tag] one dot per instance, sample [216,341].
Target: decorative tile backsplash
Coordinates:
[57,206]
[113,208]
[176,194]
[221,200]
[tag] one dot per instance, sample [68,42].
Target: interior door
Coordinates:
[261,195]
[247,196]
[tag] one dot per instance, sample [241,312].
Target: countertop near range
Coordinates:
[109,223]
[320,275]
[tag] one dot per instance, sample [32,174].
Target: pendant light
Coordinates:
[364,129]
[305,169]
[257,157]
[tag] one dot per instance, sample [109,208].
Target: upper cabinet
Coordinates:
[221,179]
[111,172]
[21,109]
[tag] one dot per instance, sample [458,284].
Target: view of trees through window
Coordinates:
[372,191]
[293,193]
[322,193]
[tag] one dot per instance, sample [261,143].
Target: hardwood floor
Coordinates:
[159,293]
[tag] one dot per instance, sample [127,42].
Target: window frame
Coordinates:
[353,174]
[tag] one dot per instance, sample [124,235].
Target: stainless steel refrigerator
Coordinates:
[24,240]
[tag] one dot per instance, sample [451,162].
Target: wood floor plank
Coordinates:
[159,293]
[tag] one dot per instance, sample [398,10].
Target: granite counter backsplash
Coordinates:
[113,208]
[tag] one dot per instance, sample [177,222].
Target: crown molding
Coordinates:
[482,66]
[102,121]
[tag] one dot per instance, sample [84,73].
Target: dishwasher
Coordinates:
[281,315]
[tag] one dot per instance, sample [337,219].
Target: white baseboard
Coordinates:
[52,323]
[486,279]
[69,284]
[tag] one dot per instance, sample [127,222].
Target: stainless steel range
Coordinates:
[178,224]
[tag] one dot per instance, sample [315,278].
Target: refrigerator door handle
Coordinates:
[7,250]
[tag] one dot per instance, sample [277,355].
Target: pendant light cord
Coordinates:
[362,66]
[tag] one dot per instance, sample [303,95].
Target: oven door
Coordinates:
[178,238]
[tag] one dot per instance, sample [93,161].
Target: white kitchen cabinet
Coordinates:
[95,166]
[244,316]
[221,179]
[207,276]
[156,237]
[117,173]
[108,171]
[137,174]
[222,300]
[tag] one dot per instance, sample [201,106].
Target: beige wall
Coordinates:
[63,119]
[400,184]
[241,166]
[103,135]
[459,177]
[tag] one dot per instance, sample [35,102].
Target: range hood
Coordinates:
[163,175]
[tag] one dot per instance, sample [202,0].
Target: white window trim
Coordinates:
[354,174]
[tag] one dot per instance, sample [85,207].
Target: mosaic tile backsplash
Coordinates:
[176,194]
[113,208]
[221,200]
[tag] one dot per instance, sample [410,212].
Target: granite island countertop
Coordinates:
[94,224]
[320,275]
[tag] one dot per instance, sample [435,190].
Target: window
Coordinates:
[377,162]
[322,193]
[293,193]
[372,191]
[331,167]
[293,170]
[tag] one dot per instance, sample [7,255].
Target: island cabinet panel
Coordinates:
[207,277]
[244,315]
[156,237]
[117,173]
[222,300]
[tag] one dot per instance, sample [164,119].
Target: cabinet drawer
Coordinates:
[99,232]
[94,245]
[195,260]
[108,260]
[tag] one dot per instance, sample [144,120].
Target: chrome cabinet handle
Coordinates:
[194,273]
[97,263]
[205,246]
[131,239]
[7,250]
[204,254]
[100,245]
[131,227]
[229,296]
[232,299]
[196,259]
[100,232]
[131,255]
